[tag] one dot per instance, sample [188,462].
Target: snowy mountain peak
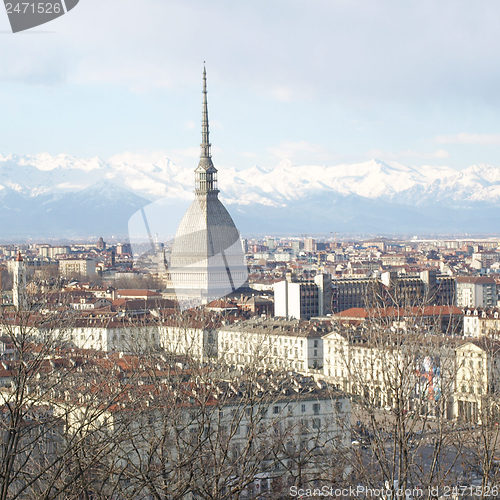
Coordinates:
[30,182]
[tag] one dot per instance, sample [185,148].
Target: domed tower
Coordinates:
[207,259]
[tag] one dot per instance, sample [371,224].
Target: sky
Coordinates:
[309,81]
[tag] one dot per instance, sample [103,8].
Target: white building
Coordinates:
[476,291]
[90,303]
[109,335]
[195,341]
[270,425]
[478,378]
[482,323]
[273,345]
[19,283]
[53,252]
[303,300]
[375,366]
[77,268]
[484,260]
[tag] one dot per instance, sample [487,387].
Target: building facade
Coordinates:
[476,291]
[303,300]
[273,345]
[77,268]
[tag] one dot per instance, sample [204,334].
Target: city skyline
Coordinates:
[298,297]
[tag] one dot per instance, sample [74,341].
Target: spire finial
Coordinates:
[205,141]
[206,173]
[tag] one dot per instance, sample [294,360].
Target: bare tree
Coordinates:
[402,377]
[50,443]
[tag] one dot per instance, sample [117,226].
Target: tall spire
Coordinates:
[205,140]
[206,173]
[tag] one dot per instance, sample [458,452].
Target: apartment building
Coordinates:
[303,300]
[77,268]
[426,319]
[375,366]
[273,345]
[393,289]
[478,380]
[287,421]
[480,322]
[476,291]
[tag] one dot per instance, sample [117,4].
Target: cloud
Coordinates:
[282,94]
[290,149]
[439,154]
[466,138]
[190,152]
[288,51]
[249,154]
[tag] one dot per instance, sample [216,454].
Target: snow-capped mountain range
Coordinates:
[64,196]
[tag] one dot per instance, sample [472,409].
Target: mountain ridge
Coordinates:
[65,191]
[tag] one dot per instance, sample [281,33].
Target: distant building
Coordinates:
[19,283]
[353,292]
[90,303]
[111,334]
[476,291]
[138,294]
[391,289]
[484,260]
[482,323]
[77,268]
[101,244]
[273,345]
[270,243]
[303,300]
[53,252]
[257,304]
[123,248]
[310,245]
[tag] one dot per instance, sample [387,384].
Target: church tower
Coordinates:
[19,283]
[207,260]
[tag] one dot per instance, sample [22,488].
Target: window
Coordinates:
[316,408]
[303,408]
[316,423]
[235,451]
[276,410]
